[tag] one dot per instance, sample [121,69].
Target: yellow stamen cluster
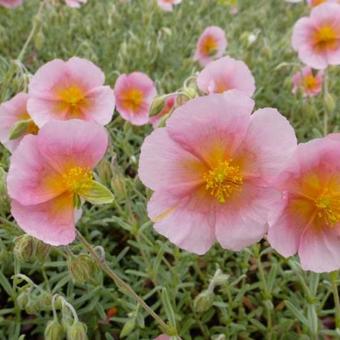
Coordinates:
[328,209]
[132,99]
[77,179]
[209,46]
[74,98]
[326,38]
[223,180]
[310,82]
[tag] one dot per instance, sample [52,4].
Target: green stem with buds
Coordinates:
[125,287]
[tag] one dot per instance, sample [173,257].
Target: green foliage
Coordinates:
[270,299]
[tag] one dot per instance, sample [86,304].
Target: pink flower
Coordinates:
[70,89]
[226,74]
[307,219]
[308,82]
[167,5]
[211,45]
[168,106]
[12,112]
[134,93]
[11,3]
[48,171]
[209,169]
[75,3]
[314,3]
[317,38]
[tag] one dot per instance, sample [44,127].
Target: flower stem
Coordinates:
[333,277]
[125,287]
[33,31]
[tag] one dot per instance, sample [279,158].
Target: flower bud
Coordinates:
[22,300]
[204,301]
[329,102]
[157,106]
[29,249]
[128,327]
[4,199]
[104,170]
[118,185]
[77,331]
[82,269]
[54,330]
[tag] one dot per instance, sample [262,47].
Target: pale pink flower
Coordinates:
[70,89]
[11,3]
[309,83]
[226,74]
[12,112]
[317,38]
[48,171]
[211,45]
[314,3]
[134,93]
[168,106]
[307,219]
[167,5]
[75,3]
[210,170]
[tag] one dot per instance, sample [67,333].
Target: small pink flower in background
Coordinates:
[226,74]
[167,5]
[168,106]
[134,93]
[308,82]
[317,38]
[11,3]
[210,169]
[307,220]
[314,3]
[75,3]
[12,112]
[70,89]
[211,45]
[47,171]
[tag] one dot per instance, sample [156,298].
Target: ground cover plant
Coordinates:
[169,169]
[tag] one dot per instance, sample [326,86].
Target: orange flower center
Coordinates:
[310,82]
[209,46]
[326,39]
[132,99]
[77,179]
[223,180]
[73,100]
[328,208]
[317,2]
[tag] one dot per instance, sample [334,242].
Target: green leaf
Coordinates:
[97,194]
[19,129]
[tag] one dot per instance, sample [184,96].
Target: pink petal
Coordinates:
[75,141]
[30,178]
[51,222]
[164,164]
[184,226]
[268,126]
[215,119]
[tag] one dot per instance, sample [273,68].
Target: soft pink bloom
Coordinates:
[314,3]
[211,45]
[210,168]
[317,38]
[75,3]
[308,82]
[12,112]
[70,89]
[134,93]
[168,106]
[11,3]
[167,5]
[226,74]
[307,219]
[47,171]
